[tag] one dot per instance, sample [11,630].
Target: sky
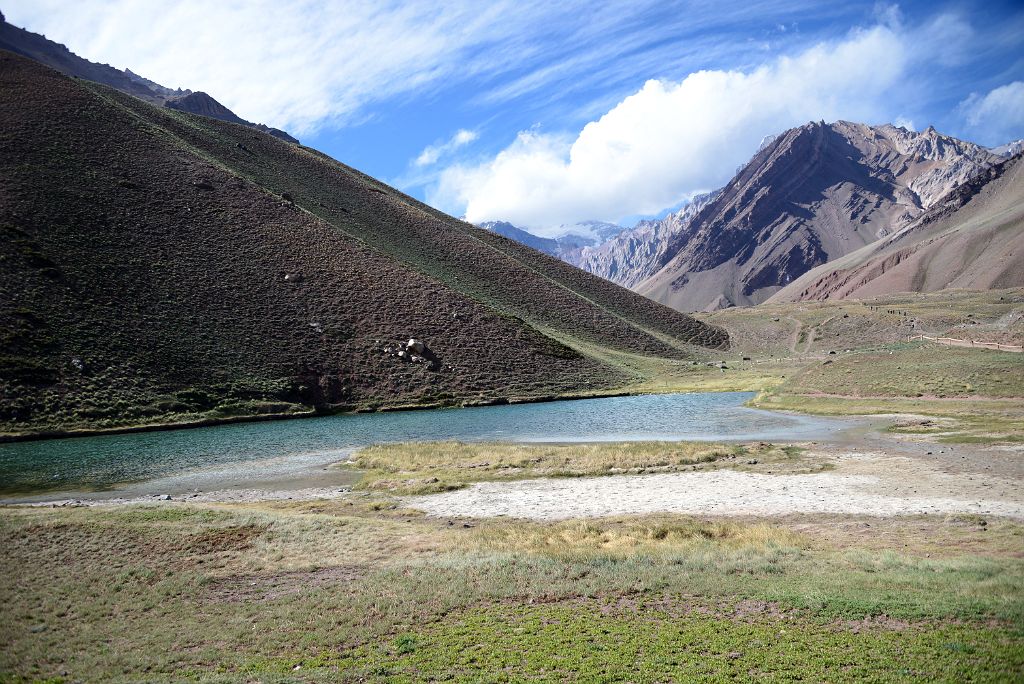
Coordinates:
[547,114]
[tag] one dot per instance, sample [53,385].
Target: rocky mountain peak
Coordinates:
[814,193]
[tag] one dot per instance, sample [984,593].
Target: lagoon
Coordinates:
[175,459]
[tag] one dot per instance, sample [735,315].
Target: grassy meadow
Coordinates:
[359,589]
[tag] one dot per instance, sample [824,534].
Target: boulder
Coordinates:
[415,346]
[293,277]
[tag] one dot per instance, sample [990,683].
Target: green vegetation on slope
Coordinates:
[854,358]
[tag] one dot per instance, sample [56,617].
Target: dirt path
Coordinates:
[862,482]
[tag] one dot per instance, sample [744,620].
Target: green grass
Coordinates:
[665,639]
[915,370]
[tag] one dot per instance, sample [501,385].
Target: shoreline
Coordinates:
[41,435]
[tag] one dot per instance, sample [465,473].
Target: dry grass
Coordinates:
[628,536]
[429,467]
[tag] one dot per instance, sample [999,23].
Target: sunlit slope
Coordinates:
[973,239]
[143,263]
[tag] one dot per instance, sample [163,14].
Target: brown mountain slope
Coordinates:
[57,56]
[972,239]
[143,263]
[813,194]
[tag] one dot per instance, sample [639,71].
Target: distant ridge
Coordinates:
[57,56]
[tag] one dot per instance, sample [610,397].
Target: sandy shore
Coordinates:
[862,482]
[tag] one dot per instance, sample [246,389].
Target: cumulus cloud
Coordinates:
[998,116]
[670,139]
[432,153]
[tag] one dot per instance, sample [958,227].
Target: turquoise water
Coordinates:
[248,449]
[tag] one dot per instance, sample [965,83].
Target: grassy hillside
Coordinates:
[159,267]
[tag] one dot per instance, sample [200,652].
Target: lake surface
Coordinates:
[177,459]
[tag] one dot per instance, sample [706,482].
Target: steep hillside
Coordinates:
[161,266]
[57,56]
[811,195]
[972,239]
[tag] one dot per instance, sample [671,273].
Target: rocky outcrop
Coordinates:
[811,195]
[202,104]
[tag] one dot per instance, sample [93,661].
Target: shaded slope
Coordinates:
[57,56]
[972,239]
[813,194]
[143,276]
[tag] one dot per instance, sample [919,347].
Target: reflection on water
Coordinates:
[282,446]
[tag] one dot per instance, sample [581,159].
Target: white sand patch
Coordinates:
[724,492]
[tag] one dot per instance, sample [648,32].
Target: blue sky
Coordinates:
[550,113]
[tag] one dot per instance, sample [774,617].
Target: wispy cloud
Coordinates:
[996,116]
[297,65]
[307,64]
[432,153]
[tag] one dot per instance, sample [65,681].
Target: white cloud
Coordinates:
[669,139]
[296,65]
[431,153]
[998,116]
[903,122]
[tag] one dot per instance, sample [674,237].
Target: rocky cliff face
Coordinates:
[812,194]
[57,56]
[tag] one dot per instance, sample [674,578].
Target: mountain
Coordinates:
[541,244]
[1010,149]
[158,266]
[972,239]
[566,247]
[811,195]
[57,56]
[633,255]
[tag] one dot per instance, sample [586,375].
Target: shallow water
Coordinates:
[265,450]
